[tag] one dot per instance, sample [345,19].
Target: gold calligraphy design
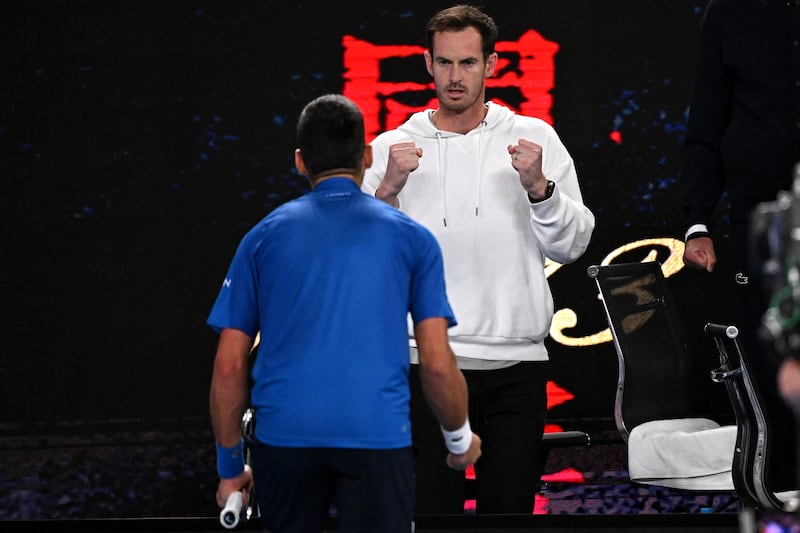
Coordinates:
[565,319]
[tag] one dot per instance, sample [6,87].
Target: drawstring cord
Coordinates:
[442,197]
[480,168]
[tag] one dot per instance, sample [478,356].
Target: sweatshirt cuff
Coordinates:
[696,230]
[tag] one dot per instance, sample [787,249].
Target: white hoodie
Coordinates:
[494,241]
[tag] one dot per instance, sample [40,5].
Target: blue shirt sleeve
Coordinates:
[236,306]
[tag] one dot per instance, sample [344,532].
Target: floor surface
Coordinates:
[139,470]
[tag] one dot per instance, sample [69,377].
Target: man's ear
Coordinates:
[428,61]
[491,64]
[299,164]
[367,156]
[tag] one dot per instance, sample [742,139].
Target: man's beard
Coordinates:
[455,106]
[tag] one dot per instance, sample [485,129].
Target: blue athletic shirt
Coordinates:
[329,280]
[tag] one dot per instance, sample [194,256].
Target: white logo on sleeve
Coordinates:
[227,282]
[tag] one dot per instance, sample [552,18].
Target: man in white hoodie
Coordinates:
[500,193]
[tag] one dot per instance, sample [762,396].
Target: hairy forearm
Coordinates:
[228,395]
[227,405]
[442,382]
[446,392]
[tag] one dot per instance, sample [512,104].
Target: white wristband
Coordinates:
[458,441]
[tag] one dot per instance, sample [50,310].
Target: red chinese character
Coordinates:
[525,74]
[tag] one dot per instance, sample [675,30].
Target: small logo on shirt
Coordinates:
[741,278]
[227,282]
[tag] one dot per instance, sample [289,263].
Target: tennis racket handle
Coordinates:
[230,514]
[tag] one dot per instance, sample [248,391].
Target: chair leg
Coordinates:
[747,519]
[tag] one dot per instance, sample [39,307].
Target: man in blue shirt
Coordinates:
[330,389]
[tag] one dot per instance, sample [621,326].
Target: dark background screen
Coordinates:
[139,141]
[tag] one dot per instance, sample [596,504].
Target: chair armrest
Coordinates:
[566,438]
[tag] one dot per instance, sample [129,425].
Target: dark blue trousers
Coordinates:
[370,490]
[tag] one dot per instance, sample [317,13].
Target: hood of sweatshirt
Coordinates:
[421,124]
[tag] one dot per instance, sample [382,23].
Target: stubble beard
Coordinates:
[458,106]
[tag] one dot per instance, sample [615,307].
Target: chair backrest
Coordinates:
[753,437]
[652,350]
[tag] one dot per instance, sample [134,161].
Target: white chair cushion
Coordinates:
[689,453]
[790,499]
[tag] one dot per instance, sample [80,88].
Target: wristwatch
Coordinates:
[551,186]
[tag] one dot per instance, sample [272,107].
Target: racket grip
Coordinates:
[230,514]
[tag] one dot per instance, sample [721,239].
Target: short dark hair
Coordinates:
[461,17]
[330,135]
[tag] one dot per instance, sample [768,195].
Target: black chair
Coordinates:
[669,444]
[753,440]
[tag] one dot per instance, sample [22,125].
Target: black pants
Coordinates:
[507,409]
[371,490]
